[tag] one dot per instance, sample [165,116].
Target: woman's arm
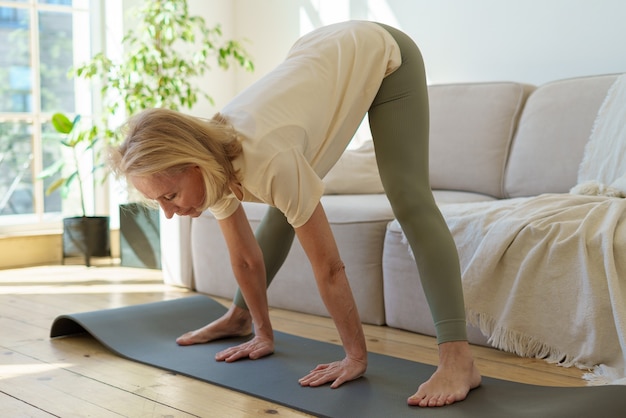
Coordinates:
[247,264]
[319,244]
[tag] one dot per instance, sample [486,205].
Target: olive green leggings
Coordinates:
[399,122]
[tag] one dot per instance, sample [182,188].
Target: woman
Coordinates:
[273,143]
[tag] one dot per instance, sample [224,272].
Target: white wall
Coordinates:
[533,41]
[220,85]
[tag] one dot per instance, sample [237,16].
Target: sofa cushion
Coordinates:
[356,172]
[553,131]
[471,129]
[443,197]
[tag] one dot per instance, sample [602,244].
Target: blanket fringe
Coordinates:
[527,346]
[604,375]
[517,342]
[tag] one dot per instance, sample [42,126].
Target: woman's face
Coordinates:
[182,194]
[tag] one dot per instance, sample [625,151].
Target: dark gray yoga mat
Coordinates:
[146,333]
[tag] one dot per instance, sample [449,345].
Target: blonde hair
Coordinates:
[166,142]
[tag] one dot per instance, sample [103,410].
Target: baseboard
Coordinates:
[35,249]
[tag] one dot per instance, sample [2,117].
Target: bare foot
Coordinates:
[236,322]
[455,376]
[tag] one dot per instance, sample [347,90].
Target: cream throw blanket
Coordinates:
[541,277]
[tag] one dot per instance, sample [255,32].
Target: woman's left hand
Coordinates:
[337,372]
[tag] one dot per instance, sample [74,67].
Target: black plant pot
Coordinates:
[86,236]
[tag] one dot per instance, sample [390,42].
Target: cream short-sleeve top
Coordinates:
[298,119]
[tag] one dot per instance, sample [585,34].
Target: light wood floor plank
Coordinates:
[55,388]
[12,407]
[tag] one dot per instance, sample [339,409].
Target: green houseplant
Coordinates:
[164,55]
[83,235]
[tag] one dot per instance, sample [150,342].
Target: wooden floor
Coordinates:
[77,377]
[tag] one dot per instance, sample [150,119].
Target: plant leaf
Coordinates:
[51,169]
[61,123]
[55,185]
[71,178]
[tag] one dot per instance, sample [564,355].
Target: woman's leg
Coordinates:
[275,236]
[399,121]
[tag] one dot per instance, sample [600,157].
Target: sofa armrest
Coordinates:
[176,261]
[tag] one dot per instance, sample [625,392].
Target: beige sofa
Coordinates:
[489,142]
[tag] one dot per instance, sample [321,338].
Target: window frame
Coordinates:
[39,220]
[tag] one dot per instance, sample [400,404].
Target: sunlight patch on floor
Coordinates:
[63,273]
[82,288]
[63,279]
[8,371]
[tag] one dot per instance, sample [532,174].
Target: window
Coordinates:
[40,40]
